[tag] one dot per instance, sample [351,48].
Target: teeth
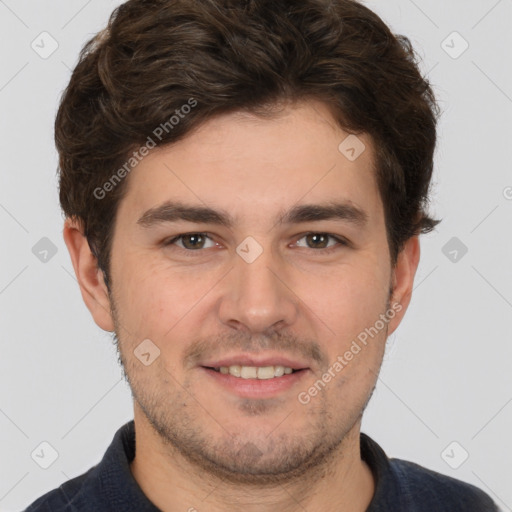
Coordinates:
[255,372]
[279,371]
[249,372]
[235,370]
[267,372]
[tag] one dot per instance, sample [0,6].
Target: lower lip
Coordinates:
[256,388]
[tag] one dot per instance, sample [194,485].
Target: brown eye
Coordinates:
[191,241]
[317,241]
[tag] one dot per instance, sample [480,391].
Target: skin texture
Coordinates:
[199,445]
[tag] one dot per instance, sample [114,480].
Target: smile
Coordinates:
[254,372]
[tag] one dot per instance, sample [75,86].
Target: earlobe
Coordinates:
[403,280]
[89,275]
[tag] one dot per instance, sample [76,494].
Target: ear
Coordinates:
[403,280]
[90,277]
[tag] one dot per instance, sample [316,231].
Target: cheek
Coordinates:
[348,300]
[156,298]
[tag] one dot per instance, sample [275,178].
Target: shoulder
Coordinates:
[401,485]
[62,499]
[427,490]
[107,486]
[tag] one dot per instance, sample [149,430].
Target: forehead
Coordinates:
[243,164]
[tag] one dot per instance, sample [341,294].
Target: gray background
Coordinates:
[446,376]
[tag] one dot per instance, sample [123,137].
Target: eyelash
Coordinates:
[329,250]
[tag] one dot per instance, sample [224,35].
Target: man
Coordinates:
[244,184]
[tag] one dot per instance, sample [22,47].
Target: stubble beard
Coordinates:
[280,458]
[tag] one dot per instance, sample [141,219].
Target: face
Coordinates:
[276,261]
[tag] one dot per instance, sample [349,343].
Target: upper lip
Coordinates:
[260,360]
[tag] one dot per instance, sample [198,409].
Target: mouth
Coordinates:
[259,377]
[255,372]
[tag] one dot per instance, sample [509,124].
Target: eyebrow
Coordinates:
[172,211]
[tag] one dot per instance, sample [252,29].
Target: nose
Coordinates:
[256,295]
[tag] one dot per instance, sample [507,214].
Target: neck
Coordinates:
[172,483]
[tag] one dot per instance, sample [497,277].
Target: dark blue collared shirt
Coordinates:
[400,486]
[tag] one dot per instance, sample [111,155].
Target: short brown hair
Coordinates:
[227,55]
